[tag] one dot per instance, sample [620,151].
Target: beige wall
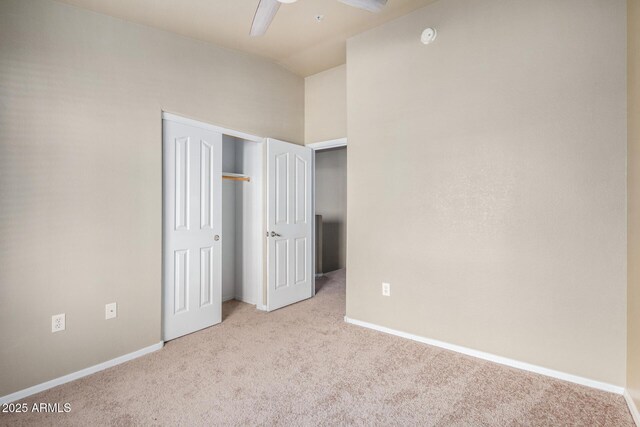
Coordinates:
[487,180]
[326,105]
[331,203]
[80,173]
[633,218]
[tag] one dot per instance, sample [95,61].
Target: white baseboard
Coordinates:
[79,374]
[493,358]
[237,298]
[632,407]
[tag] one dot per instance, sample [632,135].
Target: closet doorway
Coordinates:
[330,192]
[237,223]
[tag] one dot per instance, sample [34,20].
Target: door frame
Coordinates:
[325,145]
[165,115]
[200,124]
[319,146]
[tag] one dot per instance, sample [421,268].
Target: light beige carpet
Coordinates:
[303,365]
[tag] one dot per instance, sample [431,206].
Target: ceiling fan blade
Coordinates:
[370,5]
[265,13]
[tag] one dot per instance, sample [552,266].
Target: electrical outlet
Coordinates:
[386,289]
[110,311]
[58,323]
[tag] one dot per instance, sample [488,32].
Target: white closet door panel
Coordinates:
[289,224]
[300,191]
[207,169]
[282,263]
[206,276]
[300,260]
[192,170]
[181,182]
[181,281]
[282,188]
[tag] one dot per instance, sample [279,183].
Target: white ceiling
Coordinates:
[295,40]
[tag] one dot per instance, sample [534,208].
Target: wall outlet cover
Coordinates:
[110,311]
[58,322]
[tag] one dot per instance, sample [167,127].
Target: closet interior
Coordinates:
[242,220]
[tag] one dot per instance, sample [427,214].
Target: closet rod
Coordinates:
[236,177]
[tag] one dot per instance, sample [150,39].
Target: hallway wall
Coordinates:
[331,203]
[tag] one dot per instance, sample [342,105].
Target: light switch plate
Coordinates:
[110,311]
[386,289]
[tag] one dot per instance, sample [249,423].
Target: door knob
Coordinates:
[216,237]
[274,234]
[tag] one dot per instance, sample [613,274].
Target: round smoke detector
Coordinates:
[428,35]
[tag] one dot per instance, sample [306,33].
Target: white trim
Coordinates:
[632,407]
[313,231]
[202,125]
[79,374]
[493,358]
[325,145]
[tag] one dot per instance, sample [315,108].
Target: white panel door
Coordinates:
[289,224]
[192,197]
